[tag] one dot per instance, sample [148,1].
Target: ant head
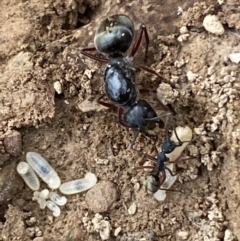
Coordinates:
[168,146]
[114,35]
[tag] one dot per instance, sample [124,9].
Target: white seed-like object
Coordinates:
[28,175]
[79,185]
[54,207]
[43,169]
[184,134]
[41,201]
[57,199]
[44,194]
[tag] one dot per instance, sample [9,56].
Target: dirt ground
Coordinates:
[40,44]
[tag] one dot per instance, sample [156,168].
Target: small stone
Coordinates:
[13,143]
[101,196]
[32,221]
[191,76]
[183,30]
[183,235]
[235,58]
[58,87]
[132,209]
[229,236]
[117,231]
[212,24]
[87,106]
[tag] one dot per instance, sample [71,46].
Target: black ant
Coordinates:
[113,38]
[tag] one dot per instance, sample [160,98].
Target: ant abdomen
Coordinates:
[114,35]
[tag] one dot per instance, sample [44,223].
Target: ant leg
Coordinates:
[148,70]
[85,52]
[108,105]
[138,42]
[120,113]
[164,179]
[136,133]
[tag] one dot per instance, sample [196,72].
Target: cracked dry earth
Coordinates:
[40,45]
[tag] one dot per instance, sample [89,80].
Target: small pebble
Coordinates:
[117,231]
[212,24]
[13,143]
[101,196]
[183,235]
[132,209]
[58,87]
[234,57]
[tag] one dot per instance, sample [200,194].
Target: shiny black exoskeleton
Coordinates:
[112,39]
[153,181]
[114,35]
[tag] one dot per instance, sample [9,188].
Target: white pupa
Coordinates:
[43,169]
[57,199]
[54,208]
[184,134]
[28,175]
[79,185]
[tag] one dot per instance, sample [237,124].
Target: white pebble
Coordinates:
[117,231]
[58,87]
[212,24]
[43,169]
[132,209]
[191,76]
[235,57]
[28,175]
[79,185]
[57,199]
[54,207]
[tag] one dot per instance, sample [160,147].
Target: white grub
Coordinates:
[43,170]
[79,185]
[54,208]
[58,87]
[184,134]
[28,175]
[132,209]
[212,24]
[61,201]
[102,226]
[234,57]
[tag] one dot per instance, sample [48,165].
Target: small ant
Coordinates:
[113,38]
[171,150]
